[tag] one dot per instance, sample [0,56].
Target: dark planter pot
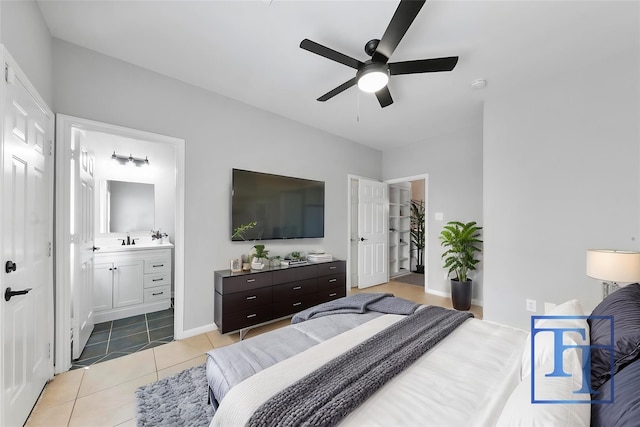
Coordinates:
[420,269]
[461,294]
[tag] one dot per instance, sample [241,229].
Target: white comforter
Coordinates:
[463,381]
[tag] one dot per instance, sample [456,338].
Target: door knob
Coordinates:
[362,239]
[95,248]
[10,266]
[8,293]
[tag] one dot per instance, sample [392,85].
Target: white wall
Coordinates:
[561,175]
[160,172]
[26,36]
[220,134]
[454,165]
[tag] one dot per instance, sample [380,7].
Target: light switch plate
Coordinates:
[531,305]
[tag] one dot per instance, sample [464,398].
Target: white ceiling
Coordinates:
[249,51]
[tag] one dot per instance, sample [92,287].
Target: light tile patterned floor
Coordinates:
[103,394]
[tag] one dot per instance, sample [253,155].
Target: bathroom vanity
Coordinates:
[131,280]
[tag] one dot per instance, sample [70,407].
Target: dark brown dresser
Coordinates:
[247,299]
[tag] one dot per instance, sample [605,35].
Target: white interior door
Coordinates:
[27,317]
[82,279]
[373,235]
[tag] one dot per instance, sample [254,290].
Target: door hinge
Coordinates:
[9,74]
[50,248]
[49,353]
[50,147]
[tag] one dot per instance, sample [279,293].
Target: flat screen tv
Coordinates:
[283,207]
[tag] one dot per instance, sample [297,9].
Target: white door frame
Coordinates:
[426,217]
[64,125]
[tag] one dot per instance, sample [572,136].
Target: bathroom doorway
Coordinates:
[100,145]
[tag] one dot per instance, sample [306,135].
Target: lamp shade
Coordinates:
[613,266]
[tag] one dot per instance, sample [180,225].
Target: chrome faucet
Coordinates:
[128,239]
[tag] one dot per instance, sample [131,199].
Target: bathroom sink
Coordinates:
[137,246]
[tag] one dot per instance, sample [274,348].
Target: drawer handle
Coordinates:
[297,287]
[333,294]
[333,280]
[158,280]
[333,268]
[295,304]
[158,265]
[252,297]
[251,315]
[251,280]
[157,293]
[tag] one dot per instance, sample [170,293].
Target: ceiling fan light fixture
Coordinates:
[372,77]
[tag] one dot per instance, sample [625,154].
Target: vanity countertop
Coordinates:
[136,247]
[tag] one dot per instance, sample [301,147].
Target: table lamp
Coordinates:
[614,268]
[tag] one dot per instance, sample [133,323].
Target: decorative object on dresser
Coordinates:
[131,281]
[235,265]
[243,300]
[259,257]
[615,268]
[462,244]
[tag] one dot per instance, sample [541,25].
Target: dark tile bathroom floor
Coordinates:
[110,340]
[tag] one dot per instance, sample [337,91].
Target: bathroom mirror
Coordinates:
[127,207]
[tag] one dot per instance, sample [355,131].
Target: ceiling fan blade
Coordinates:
[331,54]
[344,86]
[405,14]
[384,97]
[423,66]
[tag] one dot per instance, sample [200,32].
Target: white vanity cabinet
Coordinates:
[131,281]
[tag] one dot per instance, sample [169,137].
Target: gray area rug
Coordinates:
[411,278]
[180,400]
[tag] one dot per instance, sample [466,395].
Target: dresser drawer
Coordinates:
[306,272]
[327,268]
[246,300]
[331,294]
[157,265]
[245,318]
[229,285]
[330,282]
[284,276]
[151,280]
[293,305]
[158,293]
[293,289]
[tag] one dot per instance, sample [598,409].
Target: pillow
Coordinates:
[520,411]
[625,409]
[624,306]
[544,341]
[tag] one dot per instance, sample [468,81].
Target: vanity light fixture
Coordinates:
[130,159]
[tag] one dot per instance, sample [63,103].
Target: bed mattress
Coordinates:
[463,381]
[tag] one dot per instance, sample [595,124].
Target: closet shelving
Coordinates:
[399,229]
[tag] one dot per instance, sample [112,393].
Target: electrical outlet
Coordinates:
[531,305]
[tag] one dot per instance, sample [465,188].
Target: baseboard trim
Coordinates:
[196,331]
[448,295]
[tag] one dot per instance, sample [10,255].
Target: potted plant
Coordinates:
[418,232]
[259,257]
[462,244]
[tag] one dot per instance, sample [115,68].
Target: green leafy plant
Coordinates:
[260,252]
[238,232]
[418,231]
[295,255]
[463,244]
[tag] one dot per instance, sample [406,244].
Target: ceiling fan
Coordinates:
[373,75]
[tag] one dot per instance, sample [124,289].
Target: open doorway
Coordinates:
[80,228]
[407,229]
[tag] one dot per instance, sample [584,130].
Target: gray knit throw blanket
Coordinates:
[331,392]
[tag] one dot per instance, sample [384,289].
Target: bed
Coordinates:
[477,375]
